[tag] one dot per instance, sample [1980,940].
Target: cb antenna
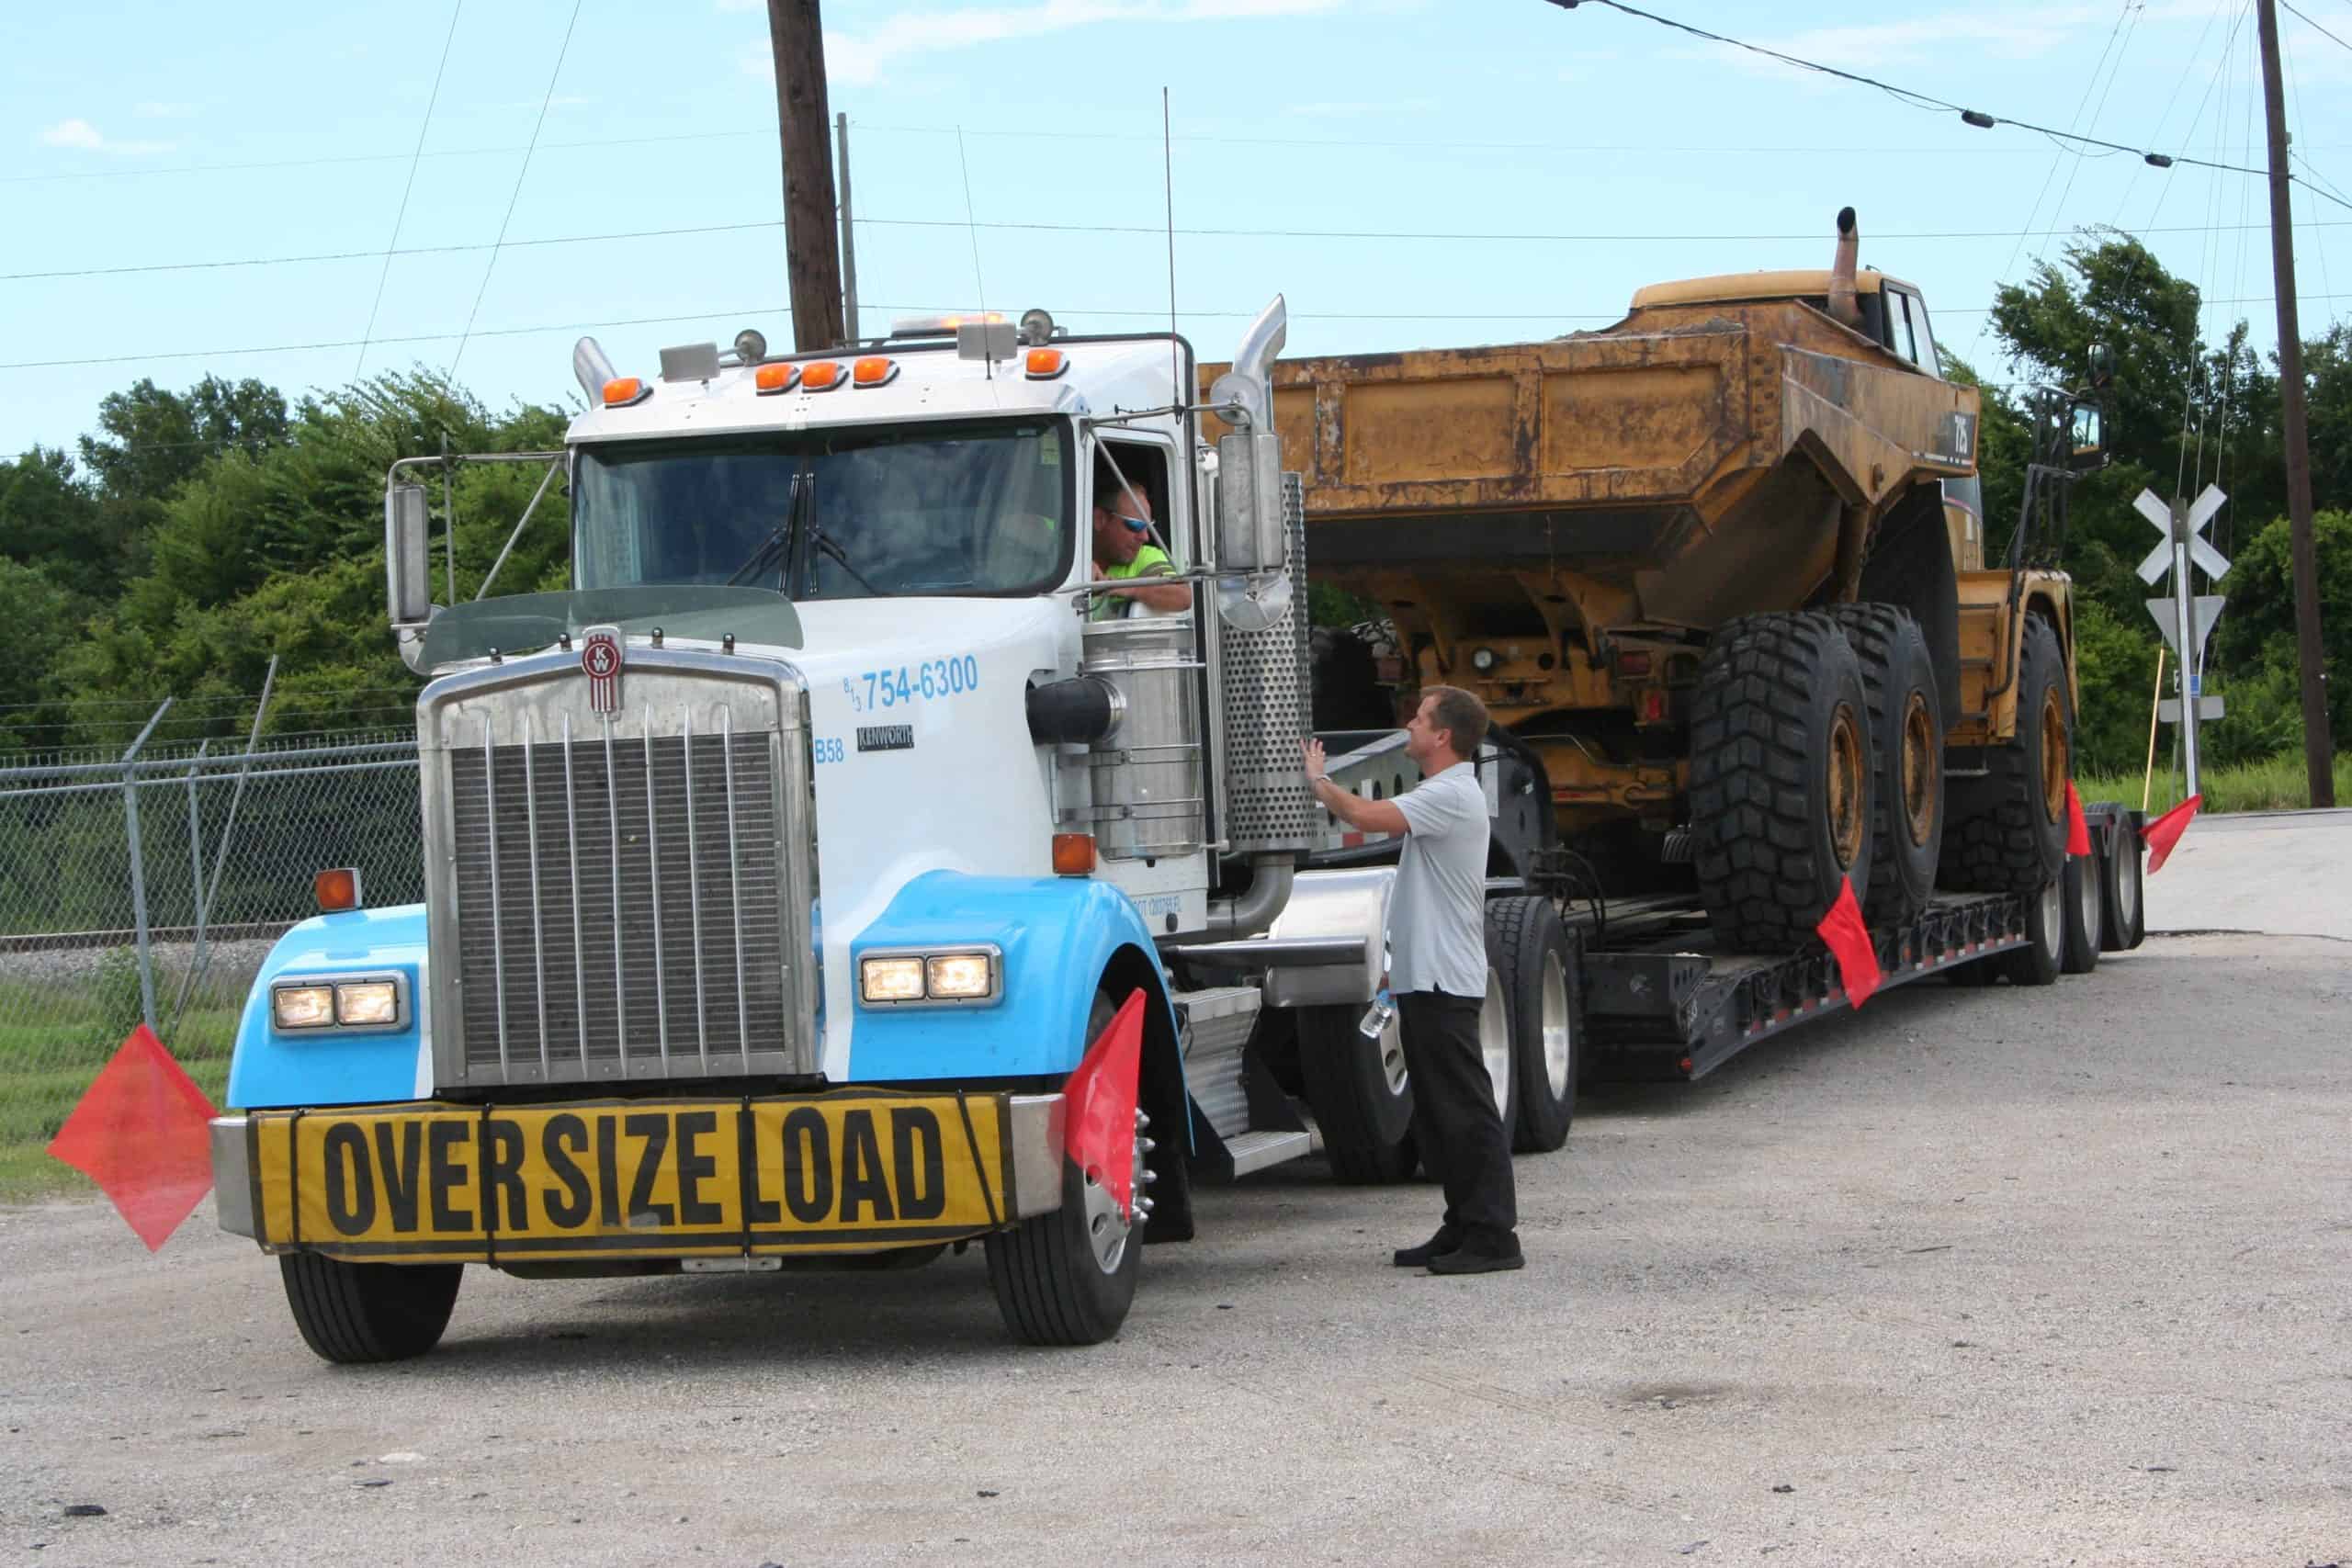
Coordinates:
[972,225]
[1168,186]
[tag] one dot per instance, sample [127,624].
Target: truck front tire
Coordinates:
[356,1314]
[1781,781]
[2005,831]
[1360,1096]
[1068,1276]
[1907,758]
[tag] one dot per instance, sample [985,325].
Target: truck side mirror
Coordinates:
[2085,443]
[408,559]
[1249,531]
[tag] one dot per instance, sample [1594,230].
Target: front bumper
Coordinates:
[848,1171]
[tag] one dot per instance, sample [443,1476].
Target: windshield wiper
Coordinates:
[825,545]
[772,549]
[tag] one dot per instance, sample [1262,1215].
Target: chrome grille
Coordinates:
[619,896]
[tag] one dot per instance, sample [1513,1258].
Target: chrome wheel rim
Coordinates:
[2053,912]
[1392,1057]
[1557,1045]
[1107,1230]
[1494,1042]
[2127,879]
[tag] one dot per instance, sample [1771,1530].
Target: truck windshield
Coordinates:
[891,510]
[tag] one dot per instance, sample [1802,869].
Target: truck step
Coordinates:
[1255,1151]
[1217,1021]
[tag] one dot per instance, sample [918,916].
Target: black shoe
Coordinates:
[1479,1259]
[1446,1240]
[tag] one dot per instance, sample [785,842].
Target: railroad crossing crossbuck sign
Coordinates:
[2187,617]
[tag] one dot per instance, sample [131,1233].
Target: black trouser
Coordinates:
[1454,1120]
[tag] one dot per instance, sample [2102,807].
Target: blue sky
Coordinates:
[1410,172]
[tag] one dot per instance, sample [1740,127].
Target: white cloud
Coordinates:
[73,133]
[861,58]
[80,135]
[1355,110]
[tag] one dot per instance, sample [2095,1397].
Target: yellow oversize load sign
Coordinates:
[662,1178]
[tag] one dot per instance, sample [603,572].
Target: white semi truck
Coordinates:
[781,873]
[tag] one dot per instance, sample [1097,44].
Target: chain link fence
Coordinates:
[150,884]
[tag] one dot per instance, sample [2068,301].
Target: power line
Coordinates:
[1498,237]
[409,185]
[1977,118]
[516,195]
[2284,5]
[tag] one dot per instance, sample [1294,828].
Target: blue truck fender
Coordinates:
[332,1065]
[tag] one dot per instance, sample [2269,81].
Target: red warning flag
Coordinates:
[1848,941]
[2079,832]
[2162,833]
[1101,1129]
[139,1134]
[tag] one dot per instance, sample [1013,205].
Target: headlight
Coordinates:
[302,1007]
[961,976]
[368,1002]
[891,980]
[931,979]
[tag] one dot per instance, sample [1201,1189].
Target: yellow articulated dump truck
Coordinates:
[1719,572]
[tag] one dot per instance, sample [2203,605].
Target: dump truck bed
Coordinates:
[1621,451]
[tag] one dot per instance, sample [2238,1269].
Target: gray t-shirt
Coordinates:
[1436,913]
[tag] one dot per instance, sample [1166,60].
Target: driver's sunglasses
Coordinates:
[1140,524]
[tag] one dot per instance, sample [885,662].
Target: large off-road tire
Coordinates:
[1907,758]
[2038,962]
[2005,832]
[2124,924]
[1359,1091]
[1069,1277]
[360,1313]
[2080,888]
[1779,779]
[1537,971]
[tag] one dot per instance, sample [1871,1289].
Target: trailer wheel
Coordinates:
[1536,969]
[1069,1277]
[2005,832]
[355,1313]
[2124,919]
[2085,914]
[2037,963]
[1779,779]
[1907,757]
[1360,1096]
[1494,1042]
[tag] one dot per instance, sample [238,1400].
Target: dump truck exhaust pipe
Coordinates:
[1843,306]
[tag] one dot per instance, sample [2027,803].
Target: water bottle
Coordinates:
[1376,1017]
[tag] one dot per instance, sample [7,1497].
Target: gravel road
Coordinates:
[1975,1277]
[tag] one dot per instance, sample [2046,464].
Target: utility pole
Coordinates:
[2318,748]
[849,239]
[796,36]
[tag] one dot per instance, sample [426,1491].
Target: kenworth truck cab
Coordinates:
[834,872]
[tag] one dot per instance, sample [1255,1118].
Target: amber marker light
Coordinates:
[337,888]
[623,390]
[873,370]
[1045,364]
[820,376]
[770,378]
[1073,854]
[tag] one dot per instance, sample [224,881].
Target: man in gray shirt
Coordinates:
[1438,973]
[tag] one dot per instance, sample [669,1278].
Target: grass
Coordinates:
[2274,784]
[47,1066]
